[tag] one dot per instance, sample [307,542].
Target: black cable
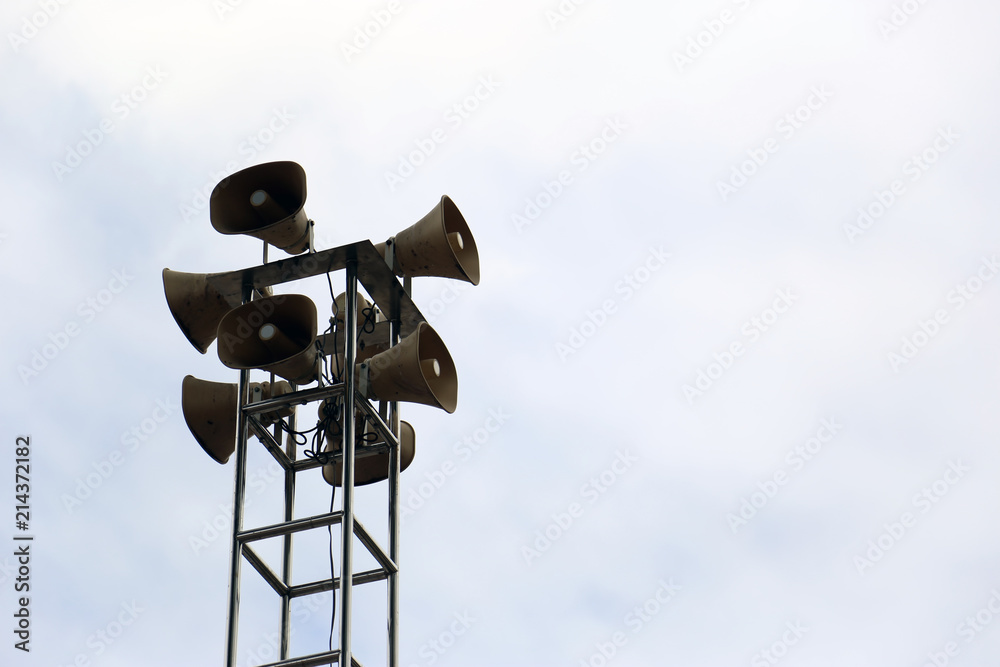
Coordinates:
[368,324]
[329,423]
[298,437]
[320,347]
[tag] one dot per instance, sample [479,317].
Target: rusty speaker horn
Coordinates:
[276,334]
[197,306]
[439,244]
[210,412]
[417,370]
[265,201]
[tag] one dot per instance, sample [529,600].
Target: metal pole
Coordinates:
[393,585]
[286,570]
[394,453]
[239,494]
[347,485]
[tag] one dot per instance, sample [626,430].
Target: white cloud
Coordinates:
[225,77]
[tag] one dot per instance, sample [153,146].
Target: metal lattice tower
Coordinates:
[410,363]
[365,266]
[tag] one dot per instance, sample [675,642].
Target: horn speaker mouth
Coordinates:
[417,370]
[439,244]
[264,201]
[275,334]
[209,410]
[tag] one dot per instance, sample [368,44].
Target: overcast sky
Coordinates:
[728,387]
